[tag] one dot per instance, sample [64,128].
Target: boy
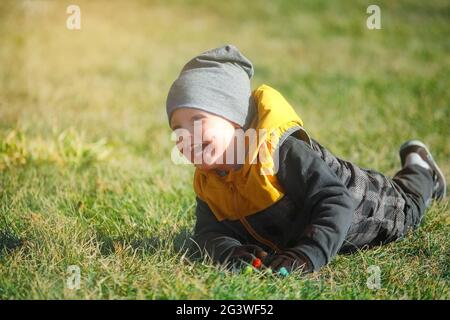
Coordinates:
[307,205]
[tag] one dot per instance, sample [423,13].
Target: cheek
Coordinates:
[220,137]
[219,131]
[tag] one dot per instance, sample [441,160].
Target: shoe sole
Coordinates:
[430,161]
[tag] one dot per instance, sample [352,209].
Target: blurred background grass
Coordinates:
[85,170]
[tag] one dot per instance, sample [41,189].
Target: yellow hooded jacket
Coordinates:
[254,186]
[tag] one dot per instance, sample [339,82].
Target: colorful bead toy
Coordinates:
[257,263]
[283,272]
[248,270]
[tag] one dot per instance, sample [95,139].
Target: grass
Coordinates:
[85,171]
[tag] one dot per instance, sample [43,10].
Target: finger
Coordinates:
[298,265]
[255,250]
[285,262]
[276,263]
[288,264]
[268,260]
[260,253]
[244,257]
[247,257]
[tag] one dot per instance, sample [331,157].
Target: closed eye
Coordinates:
[197,117]
[193,119]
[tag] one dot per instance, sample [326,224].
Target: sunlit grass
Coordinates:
[85,171]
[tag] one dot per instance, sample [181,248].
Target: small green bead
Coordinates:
[283,272]
[248,270]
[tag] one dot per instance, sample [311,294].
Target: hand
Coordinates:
[244,254]
[288,259]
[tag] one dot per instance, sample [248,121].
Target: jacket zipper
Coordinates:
[250,229]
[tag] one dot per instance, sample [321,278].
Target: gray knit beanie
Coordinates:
[216,81]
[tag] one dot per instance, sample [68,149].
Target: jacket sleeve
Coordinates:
[211,235]
[318,193]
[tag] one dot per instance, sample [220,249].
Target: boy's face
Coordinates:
[203,137]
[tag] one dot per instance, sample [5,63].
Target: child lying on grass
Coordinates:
[288,201]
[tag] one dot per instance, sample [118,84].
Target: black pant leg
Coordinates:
[416,183]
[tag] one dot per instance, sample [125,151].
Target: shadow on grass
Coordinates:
[8,242]
[181,243]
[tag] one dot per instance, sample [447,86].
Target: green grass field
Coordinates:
[85,172]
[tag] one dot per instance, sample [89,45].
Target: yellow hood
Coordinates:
[254,186]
